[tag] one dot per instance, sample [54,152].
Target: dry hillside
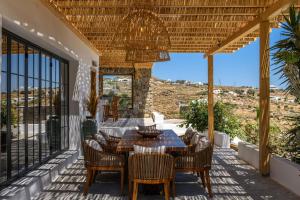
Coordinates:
[169,97]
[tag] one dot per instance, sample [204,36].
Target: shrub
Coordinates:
[251,92]
[196,115]
[239,91]
[224,120]
[4,114]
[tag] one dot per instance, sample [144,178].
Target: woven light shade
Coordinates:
[143,36]
[145,56]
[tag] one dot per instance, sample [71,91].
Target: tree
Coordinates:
[286,57]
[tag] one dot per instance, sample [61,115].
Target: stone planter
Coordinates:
[88,127]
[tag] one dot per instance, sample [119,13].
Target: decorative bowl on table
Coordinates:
[150,134]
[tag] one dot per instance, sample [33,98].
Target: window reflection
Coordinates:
[32,128]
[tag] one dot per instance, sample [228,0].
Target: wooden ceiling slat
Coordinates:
[193,25]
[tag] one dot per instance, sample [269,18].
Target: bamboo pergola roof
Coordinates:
[193,25]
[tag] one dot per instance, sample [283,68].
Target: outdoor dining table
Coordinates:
[168,138]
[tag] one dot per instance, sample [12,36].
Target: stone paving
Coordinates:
[231,177]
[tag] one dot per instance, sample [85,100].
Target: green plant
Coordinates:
[239,91]
[286,57]
[196,116]
[292,141]
[124,101]
[225,121]
[4,114]
[92,103]
[250,92]
[56,103]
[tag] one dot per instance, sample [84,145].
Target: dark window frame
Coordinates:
[34,163]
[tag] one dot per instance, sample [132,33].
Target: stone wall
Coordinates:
[141,87]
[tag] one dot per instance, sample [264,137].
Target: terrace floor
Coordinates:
[232,178]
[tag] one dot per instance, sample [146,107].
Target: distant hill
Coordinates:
[169,97]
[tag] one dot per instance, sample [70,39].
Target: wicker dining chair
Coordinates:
[96,160]
[188,135]
[110,138]
[112,111]
[150,168]
[198,161]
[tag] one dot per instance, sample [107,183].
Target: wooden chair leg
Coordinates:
[167,190]
[202,179]
[94,175]
[129,189]
[87,181]
[207,177]
[122,181]
[173,189]
[135,190]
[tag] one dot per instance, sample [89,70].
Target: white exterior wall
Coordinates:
[23,16]
[33,21]
[283,171]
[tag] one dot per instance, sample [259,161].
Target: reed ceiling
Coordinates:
[193,25]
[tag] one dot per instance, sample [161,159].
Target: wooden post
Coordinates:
[264,99]
[211,98]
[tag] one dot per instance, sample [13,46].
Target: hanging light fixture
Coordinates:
[143,36]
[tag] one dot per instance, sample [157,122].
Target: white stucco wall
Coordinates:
[32,20]
[283,171]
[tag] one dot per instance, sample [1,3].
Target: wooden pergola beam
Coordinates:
[264,99]
[210,62]
[270,12]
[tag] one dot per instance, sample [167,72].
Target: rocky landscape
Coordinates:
[170,97]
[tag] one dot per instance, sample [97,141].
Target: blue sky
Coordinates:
[237,69]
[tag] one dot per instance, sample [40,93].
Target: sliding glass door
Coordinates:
[34,106]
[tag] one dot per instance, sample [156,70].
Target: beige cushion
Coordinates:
[141,149]
[202,143]
[99,137]
[94,144]
[196,137]
[189,132]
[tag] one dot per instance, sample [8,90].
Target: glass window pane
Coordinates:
[57,70]
[3,126]
[30,62]
[121,86]
[43,115]
[47,68]
[43,67]
[21,59]
[4,53]
[36,63]
[14,57]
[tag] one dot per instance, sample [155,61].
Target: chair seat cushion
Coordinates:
[94,144]
[196,138]
[189,132]
[202,144]
[142,149]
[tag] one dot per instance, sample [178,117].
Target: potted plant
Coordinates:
[89,125]
[53,124]
[4,119]
[286,56]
